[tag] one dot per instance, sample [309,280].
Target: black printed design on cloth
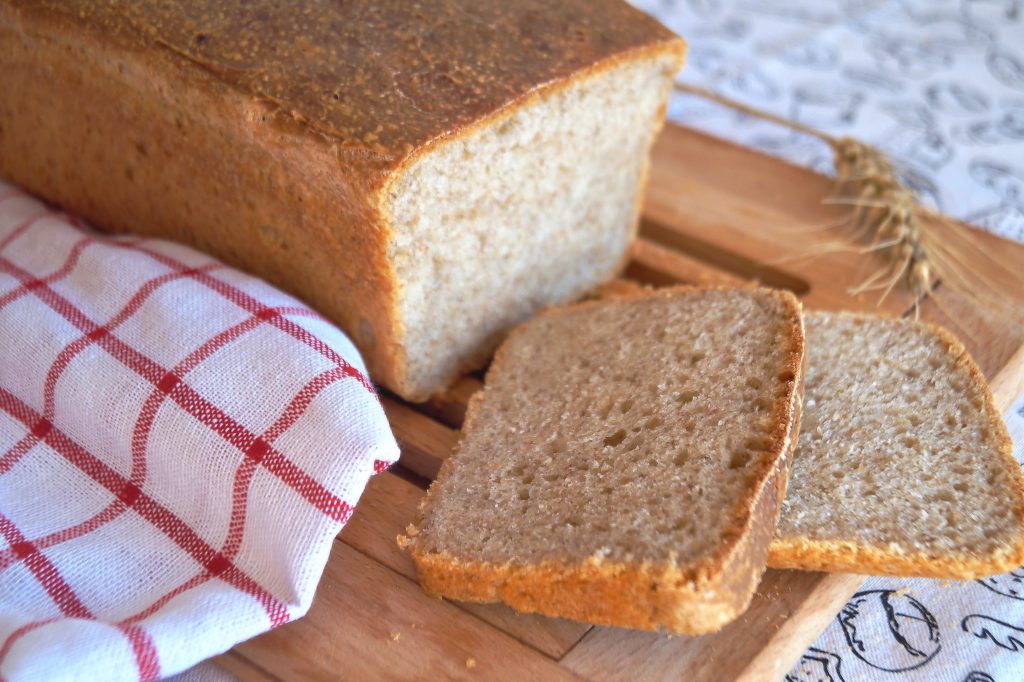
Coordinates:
[817,666]
[1009,584]
[1003,635]
[873,620]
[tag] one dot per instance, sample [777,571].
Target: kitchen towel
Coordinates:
[180,443]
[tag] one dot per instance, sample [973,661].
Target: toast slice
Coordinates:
[625,462]
[903,465]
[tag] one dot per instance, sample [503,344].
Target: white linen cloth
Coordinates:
[939,84]
[180,443]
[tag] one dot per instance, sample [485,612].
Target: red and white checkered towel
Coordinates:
[179,445]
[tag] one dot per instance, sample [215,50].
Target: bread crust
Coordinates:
[646,595]
[854,557]
[140,117]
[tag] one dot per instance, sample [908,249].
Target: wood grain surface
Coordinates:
[715,213]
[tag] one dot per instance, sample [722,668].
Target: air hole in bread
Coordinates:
[615,439]
[739,458]
[758,443]
[686,397]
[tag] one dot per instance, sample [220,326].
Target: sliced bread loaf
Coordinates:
[904,466]
[625,462]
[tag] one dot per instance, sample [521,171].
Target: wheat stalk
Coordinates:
[919,247]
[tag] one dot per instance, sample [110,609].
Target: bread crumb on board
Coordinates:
[470,662]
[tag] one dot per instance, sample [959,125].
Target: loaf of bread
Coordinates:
[624,463]
[904,465]
[426,174]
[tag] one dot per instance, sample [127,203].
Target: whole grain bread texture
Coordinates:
[624,463]
[903,465]
[425,174]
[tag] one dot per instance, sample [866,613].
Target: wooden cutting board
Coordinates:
[371,621]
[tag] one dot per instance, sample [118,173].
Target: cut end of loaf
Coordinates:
[533,207]
[903,466]
[624,463]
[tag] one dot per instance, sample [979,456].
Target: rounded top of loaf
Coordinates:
[386,77]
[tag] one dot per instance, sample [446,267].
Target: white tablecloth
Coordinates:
[939,84]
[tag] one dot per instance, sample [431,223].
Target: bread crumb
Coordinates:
[920,413]
[395,636]
[593,448]
[470,662]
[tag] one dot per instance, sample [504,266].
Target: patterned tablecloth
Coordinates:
[939,84]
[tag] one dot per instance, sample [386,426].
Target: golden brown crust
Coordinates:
[854,557]
[850,557]
[382,77]
[260,144]
[700,599]
[641,596]
[620,288]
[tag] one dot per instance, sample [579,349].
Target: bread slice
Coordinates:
[426,174]
[904,465]
[625,462]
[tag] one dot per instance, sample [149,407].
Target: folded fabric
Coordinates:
[180,443]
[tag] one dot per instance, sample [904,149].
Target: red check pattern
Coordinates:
[179,445]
